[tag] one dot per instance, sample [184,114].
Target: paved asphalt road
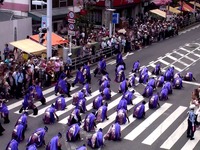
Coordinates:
[161,129]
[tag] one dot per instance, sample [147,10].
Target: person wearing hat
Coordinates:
[96,140]
[191,122]
[54,143]
[37,137]
[50,114]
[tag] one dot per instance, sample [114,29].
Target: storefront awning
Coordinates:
[28,46]
[174,10]
[196,4]
[56,39]
[159,12]
[186,7]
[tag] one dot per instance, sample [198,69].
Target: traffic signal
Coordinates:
[42,35]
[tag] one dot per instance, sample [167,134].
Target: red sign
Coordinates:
[117,3]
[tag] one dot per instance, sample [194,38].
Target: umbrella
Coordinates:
[123,31]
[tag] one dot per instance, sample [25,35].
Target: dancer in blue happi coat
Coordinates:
[101,67]
[96,140]
[122,104]
[106,93]
[63,87]
[163,94]
[60,103]
[128,96]
[82,105]
[139,110]
[168,86]
[4,111]
[119,60]
[50,115]
[86,72]
[119,73]
[101,113]
[55,143]
[143,78]
[89,122]
[22,120]
[37,137]
[62,76]
[28,103]
[104,84]
[114,132]
[87,89]
[136,66]
[160,81]
[123,87]
[82,147]
[31,147]
[178,83]
[148,91]
[121,116]
[79,77]
[77,96]
[104,77]
[13,144]
[132,80]
[38,94]
[153,101]
[169,74]
[98,102]
[189,77]
[73,133]
[156,70]
[152,82]
[74,117]
[19,131]
[143,70]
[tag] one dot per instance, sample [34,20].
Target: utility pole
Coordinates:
[49,28]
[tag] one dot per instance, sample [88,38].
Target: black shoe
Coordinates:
[191,138]
[72,84]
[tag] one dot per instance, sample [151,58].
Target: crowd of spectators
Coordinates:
[16,75]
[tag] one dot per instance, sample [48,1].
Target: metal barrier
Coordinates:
[78,61]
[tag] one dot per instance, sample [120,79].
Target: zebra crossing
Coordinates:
[136,131]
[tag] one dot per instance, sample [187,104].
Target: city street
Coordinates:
[163,128]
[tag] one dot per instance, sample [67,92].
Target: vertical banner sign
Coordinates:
[44,22]
[115,18]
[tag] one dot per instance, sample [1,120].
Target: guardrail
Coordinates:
[78,61]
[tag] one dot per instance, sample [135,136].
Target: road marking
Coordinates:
[147,122]
[163,126]
[16,104]
[164,62]
[192,143]
[175,136]
[89,107]
[113,116]
[193,83]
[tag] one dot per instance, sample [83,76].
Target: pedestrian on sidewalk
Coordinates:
[191,123]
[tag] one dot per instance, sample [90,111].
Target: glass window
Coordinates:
[35,7]
[63,3]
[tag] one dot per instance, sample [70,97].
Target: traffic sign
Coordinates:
[71,15]
[72,33]
[115,18]
[71,21]
[71,26]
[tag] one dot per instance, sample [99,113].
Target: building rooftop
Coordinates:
[8,15]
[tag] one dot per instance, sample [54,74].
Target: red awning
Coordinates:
[186,7]
[56,39]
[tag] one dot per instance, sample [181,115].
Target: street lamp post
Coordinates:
[49,28]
